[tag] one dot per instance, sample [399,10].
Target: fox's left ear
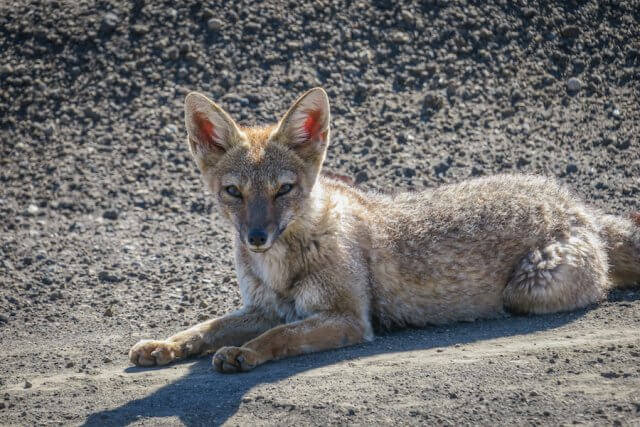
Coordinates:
[305,127]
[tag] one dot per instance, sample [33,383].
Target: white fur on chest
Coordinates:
[271,266]
[271,271]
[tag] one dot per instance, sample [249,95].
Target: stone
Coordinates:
[574,85]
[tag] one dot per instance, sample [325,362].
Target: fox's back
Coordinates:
[446,254]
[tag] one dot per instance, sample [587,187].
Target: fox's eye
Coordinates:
[232,190]
[284,189]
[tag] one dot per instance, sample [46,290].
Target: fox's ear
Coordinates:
[211,131]
[305,127]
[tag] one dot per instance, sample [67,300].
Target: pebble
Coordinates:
[32,209]
[571,168]
[570,31]
[109,22]
[110,214]
[214,24]
[27,384]
[361,177]
[105,276]
[433,101]
[173,53]
[399,37]
[252,27]
[139,29]
[574,85]
[409,172]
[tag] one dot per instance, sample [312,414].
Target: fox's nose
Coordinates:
[257,237]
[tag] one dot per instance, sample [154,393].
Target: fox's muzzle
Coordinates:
[260,224]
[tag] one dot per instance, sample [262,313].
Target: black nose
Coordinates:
[257,237]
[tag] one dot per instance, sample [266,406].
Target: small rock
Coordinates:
[409,172]
[173,53]
[399,37]
[571,168]
[517,95]
[105,276]
[110,214]
[570,31]
[361,177]
[108,312]
[90,113]
[27,384]
[574,85]
[208,13]
[433,101]
[408,17]
[214,24]
[252,27]
[616,113]
[70,365]
[139,29]
[106,360]
[109,22]
[32,209]
[623,144]
[2,405]
[49,129]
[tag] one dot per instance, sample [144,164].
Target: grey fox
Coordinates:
[320,261]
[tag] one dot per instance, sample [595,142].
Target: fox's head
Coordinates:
[260,177]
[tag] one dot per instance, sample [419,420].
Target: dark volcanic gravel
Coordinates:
[107,235]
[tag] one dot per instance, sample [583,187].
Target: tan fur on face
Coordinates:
[345,260]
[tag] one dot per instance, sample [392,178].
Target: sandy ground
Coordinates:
[107,236]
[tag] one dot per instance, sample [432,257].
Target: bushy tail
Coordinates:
[622,236]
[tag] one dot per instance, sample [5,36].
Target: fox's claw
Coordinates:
[150,353]
[235,359]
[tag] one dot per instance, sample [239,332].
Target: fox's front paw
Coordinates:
[235,359]
[150,352]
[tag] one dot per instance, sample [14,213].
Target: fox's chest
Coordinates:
[275,291]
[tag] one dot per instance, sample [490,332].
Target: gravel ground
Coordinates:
[107,235]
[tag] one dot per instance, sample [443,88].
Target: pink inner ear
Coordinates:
[312,125]
[206,129]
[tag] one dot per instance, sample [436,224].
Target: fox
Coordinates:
[323,264]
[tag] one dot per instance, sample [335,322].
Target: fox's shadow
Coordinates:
[205,397]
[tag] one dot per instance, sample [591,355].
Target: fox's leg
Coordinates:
[232,329]
[316,333]
[564,275]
